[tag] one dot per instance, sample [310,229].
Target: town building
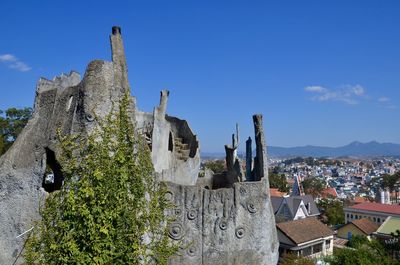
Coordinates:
[360,227]
[389,227]
[294,208]
[376,212]
[305,237]
[388,233]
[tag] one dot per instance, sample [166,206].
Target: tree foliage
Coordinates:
[110,209]
[313,186]
[331,211]
[393,245]
[364,253]
[12,121]
[390,181]
[277,180]
[293,259]
[217,166]
[358,241]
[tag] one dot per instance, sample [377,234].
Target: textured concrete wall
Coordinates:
[64,103]
[225,226]
[161,129]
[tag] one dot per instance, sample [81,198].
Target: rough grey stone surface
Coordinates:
[64,103]
[226,226]
[260,161]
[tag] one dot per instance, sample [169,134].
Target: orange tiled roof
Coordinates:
[377,207]
[276,193]
[290,181]
[365,225]
[360,200]
[329,192]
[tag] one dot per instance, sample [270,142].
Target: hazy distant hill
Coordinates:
[353,149]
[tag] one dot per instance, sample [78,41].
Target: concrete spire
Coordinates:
[119,60]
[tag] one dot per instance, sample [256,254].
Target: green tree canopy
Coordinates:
[217,166]
[364,252]
[313,186]
[390,181]
[12,121]
[110,209]
[277,180]
[293,259]
[331,211]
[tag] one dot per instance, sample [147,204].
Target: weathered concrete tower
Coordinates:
[249,160]
[260,161]
[119,61]
[232,225]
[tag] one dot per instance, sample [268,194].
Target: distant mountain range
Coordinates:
[353,149]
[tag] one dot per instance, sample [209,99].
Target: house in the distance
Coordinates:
[387,229]
[387,233]
[376,212]
[294,208]
[360,227]
[305,237]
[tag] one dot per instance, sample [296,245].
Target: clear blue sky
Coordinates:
[321,72]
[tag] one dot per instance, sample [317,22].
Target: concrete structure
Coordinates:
[383,196]
[233,225]
[234,172]
[249,160]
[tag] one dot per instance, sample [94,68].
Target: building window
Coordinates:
[374,219]
[306,251]
[348,216]
[379,220]
[351,216]
[327,244]
[317,248]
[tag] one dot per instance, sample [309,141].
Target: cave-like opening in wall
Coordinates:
[53,177]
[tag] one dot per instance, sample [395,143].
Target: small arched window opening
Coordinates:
[53,178]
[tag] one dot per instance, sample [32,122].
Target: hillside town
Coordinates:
[335,200]
[351,178]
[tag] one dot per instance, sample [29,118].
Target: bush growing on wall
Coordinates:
[110,209]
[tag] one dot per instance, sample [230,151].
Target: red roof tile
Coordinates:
[365,225]
[276,193]
[377,207]
[329,192]
[360,200]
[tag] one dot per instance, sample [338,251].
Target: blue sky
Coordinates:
[321,72]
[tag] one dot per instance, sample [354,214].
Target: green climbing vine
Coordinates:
[111,208]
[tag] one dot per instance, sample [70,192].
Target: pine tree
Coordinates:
[111,208]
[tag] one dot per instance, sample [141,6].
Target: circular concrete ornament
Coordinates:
[192,214]
[239,232]
[176,231]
